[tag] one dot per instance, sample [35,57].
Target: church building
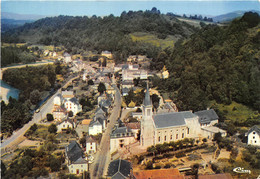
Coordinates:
[172,126]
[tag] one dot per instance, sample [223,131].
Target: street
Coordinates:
[102,159]
[36,118]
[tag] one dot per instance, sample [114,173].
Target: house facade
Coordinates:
[64,125]
[121,137]
[91,145]
[253,136]
[95,127]
[75,158]
[73,105]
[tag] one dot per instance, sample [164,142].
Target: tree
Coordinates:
[204,140]
[101,88]
[70,114]
[52,128]
[155,101]
[82,141]
[55,164]
[35,97]
[49,117]
[90,82]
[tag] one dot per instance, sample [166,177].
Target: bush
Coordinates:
[49,117]
[168,165]
[52,128]
[157,167]
[149,165]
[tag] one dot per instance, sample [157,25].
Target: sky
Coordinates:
[116,7]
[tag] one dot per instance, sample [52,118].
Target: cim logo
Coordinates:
[241,170]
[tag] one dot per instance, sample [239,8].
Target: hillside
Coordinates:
[217,63]
[230,16]
[108,33]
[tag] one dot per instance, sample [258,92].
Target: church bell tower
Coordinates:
[147,128]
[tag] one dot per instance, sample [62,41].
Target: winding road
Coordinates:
[102,159]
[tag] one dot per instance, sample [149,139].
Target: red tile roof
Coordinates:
[159,174]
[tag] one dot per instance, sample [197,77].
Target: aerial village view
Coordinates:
[141,93]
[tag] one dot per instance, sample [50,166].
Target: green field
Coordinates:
[153,39]
[236,111]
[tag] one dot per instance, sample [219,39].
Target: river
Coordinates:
[7,91]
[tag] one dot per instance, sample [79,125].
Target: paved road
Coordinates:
[98,168]
[37,117]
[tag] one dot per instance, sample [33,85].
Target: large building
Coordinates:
[173,126]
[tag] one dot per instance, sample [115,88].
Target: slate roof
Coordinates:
[171,119]
[206,116]
[254,128]
[74,152]
[74,100]
[100,111]
[94,122]
[65,119]
[119,169]
[147,100]
[90,139]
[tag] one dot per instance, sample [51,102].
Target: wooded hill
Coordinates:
[217,63]
[111,33]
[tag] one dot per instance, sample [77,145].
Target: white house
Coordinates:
[253,136]
[75,158]
[59,113]
[73,105]
[91,145]
[121,137]
[95,127]
[67,58]
[57,100]
[64,125]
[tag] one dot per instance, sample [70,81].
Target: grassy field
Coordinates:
[152,39]
[236,111]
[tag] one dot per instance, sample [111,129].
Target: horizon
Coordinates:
[107,7]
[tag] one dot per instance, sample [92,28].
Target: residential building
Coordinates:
[67,95]
[207,117]
[73,105]
[57,100]
[95,127]
[75,158]
[135,127]
[64,125]
[253,136]
[59,113]
[121,137]
[67,58]
[107,54]
[91,145]
[120,169]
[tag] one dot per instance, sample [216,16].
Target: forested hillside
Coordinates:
[217,63]
[111,33]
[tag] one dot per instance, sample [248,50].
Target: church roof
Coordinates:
[147,100]
[206,116]
[172,119]
[255,128]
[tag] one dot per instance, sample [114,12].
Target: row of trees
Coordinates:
[13,55]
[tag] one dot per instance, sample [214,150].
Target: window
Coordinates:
[176,136]
[253,132]
[253,137]
[164,138]
[255,141]
[188,131]
[71,171]
[182,135]
[63,125]
[159,138]
[171,137]
[81,167]
[91,147]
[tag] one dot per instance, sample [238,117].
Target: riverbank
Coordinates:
[4,92]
